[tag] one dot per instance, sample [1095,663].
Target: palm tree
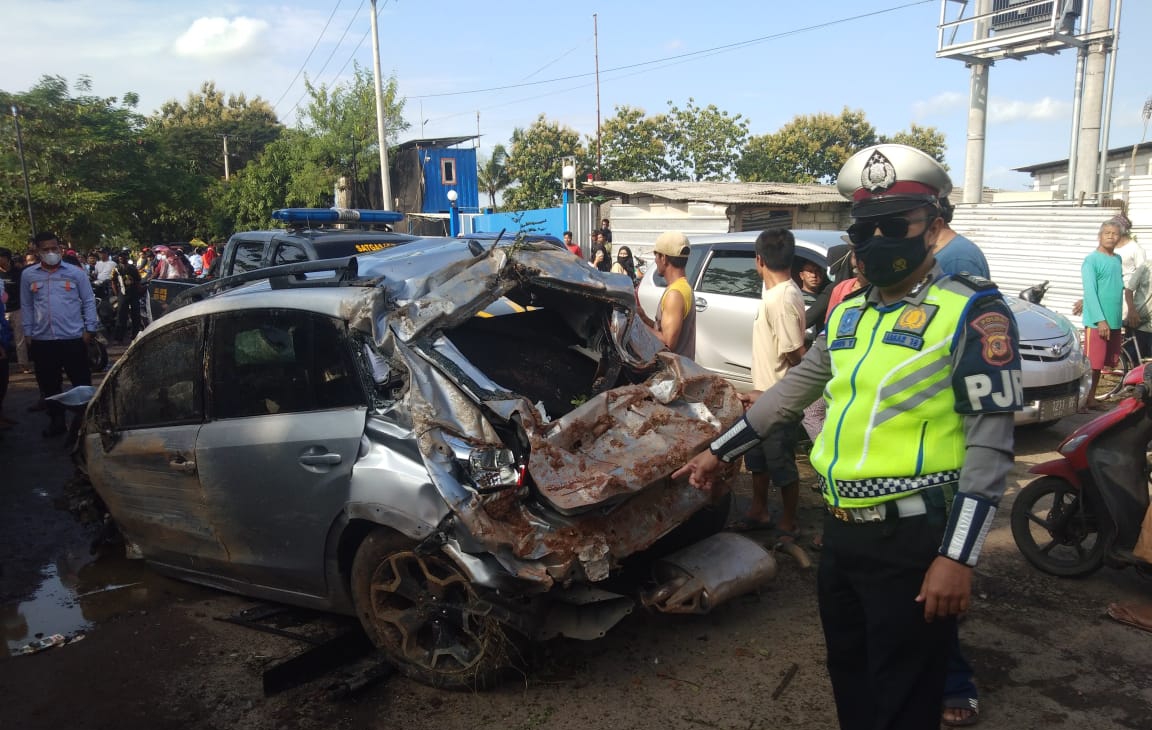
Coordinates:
[493,173]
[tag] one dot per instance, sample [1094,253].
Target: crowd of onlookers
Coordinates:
[56,299]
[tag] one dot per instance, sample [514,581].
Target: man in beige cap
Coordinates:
[921,374]
[675,321]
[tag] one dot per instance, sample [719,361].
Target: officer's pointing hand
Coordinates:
[747,399]
[701,471]
[946,589]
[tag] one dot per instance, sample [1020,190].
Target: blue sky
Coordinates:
[884,64]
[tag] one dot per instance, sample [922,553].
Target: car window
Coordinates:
[731,272]
[249,256]
[161,382]
[695,259]
[288,253]
[281,361]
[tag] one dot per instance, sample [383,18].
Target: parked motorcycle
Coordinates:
[1086,509]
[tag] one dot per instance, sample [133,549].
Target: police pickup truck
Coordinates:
[307,237]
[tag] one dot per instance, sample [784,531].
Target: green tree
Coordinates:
[925,139]
[808,149]
[199,126]
[86,163]
[632,146]
[534,163]
[492,173]
[704,143]
[335,136]
[186,142]
[341,124]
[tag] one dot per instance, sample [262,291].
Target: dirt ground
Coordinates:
[154,654]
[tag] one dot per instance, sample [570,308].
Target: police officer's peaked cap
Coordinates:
[887,179]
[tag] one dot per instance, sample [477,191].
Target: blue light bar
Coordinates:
[336,215]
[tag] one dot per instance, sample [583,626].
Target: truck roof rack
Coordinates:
[286,276]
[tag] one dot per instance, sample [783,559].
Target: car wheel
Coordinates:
[425,616]
[1055,532]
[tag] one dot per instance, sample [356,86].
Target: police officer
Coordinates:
[922,375]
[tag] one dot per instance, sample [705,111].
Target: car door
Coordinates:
[144,464]
[286,416]
[727,292]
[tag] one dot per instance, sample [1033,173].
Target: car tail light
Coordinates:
[495,469]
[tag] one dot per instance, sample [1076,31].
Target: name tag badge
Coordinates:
[903,340]
[842,343]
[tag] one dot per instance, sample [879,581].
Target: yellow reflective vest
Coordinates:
[891,426]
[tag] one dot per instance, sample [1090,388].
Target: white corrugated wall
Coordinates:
[638,225]
[1025,245]
[1140,208]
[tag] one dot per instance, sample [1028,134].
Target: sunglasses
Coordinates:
[861,231]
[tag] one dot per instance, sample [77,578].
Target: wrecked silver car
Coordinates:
[461,444]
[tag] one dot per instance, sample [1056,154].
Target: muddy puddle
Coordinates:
[76,595]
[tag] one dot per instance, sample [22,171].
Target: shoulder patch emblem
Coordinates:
[996,346]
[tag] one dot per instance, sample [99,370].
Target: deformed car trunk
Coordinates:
[552,418]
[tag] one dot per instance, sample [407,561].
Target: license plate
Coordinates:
[1057,408]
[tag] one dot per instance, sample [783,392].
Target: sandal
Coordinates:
[961,704]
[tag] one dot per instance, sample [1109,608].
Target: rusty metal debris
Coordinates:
[704,575]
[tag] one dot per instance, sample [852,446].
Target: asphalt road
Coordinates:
[154,655]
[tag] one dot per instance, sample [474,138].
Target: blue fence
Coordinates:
[546,220]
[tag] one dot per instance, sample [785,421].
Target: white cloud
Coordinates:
[947,102]
[1046,109]
[215,37]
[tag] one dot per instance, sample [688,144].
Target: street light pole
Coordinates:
[453,214]
[568,184]
[24,168]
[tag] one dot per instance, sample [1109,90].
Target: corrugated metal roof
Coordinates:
[725,193]
[435,142]
[1113,153]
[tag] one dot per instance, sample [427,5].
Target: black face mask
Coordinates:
[888,261]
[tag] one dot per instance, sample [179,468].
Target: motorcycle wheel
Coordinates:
[97,356]
[1055,532]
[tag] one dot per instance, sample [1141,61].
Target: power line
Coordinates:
[309,58]
[358,45]
[691,54]
[554,60]
[330,55]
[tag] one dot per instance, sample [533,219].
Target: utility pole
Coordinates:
[1092,106]
[385,186]
[977,115]
[596,53]
[227,174]
[24,168]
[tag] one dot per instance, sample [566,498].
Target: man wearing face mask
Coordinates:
[59,321]
[921,373]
